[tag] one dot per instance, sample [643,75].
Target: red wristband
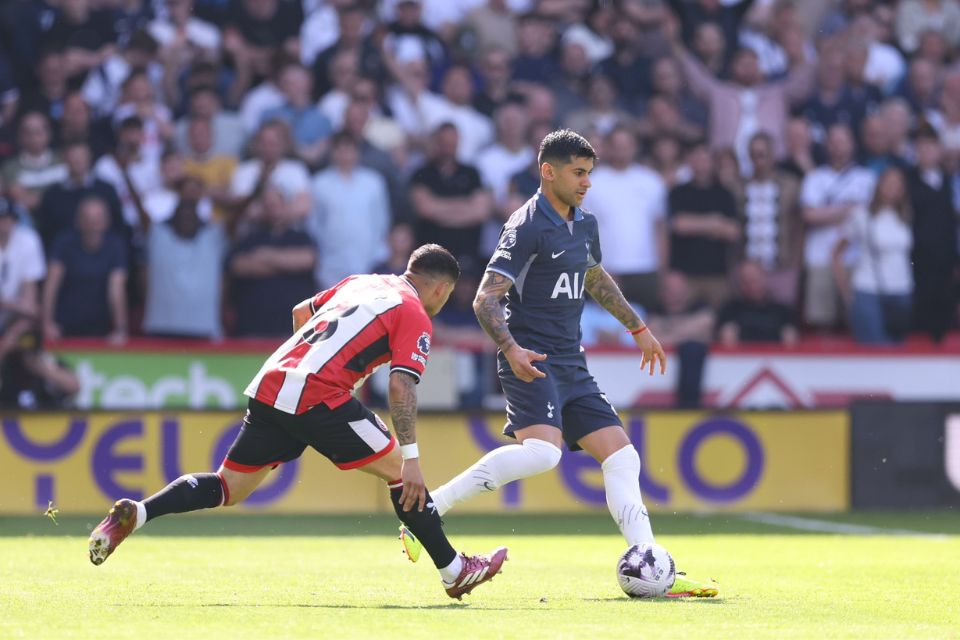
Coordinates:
[638,331]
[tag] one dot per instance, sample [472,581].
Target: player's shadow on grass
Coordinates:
[313,526]
[659,601]
[294,605]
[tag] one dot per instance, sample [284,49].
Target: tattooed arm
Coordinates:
[403,412]
[605,291]
[489,312]
[403,406]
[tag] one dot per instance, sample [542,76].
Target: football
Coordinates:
[646,571]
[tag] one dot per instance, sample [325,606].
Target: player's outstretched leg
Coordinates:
[460,573]
[497,468]
[189,492]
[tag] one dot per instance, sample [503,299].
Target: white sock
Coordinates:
[141,516]
[497,468]
[621,480]
[450,572]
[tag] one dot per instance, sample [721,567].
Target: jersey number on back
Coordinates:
[326,327]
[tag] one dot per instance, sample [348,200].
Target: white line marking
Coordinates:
[826,526]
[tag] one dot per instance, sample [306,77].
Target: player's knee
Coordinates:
[626,459]
[547,455]
[231,494]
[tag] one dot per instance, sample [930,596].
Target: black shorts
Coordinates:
[350,436]
[568,399]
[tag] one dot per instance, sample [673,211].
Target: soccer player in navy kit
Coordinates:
[548,256]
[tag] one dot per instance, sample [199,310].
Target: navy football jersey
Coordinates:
[547,258]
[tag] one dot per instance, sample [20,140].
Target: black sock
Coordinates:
[428,529]
[187,493]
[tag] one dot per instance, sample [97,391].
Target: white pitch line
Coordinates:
[826,526]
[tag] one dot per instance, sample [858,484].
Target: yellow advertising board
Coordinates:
[691,462]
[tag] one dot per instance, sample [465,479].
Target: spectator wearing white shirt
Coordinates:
[102,87]
[320,30]
[410,100]
[138,98]
[263,97]
[343,73]
[879,63]
[476,129]
[880,287]
[22,268]
[183,40]
[947,120]
[162,202]
[269,165]
[828,196]
[916,17]
[351,214]
[510,153]
[181,33]
[132,175]
[630,202]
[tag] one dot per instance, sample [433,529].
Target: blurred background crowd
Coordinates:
[193,168]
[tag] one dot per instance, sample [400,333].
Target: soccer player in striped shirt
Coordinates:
[302,396]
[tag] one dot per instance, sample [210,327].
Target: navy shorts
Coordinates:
[350,436]
[568,399]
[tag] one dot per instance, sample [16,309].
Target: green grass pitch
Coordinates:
[215,576]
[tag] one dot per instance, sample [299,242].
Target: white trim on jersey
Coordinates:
[415,374]
[370,433]
[502,272]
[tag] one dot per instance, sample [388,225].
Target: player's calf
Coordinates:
[189,492]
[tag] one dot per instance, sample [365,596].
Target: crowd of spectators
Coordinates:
[192,168]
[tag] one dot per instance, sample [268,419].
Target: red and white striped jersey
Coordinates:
[359,324]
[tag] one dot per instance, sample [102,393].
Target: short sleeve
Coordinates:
[594,253]
[410,341]
[727,206]
[517,245]
[811,193]
[658,198]
[118,253]
[474,182]
[35,267]
[421,177]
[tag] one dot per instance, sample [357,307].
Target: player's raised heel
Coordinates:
[476,570]
[114,529]
[684,587]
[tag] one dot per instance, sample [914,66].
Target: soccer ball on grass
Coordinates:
[646,571]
